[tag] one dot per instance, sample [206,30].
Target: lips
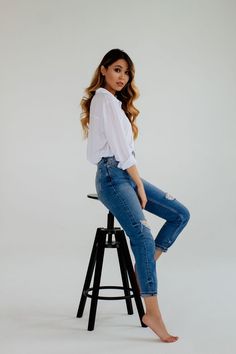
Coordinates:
[120,83]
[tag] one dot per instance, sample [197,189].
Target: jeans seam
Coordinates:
[133,219]
[173,210]
[117,194]
[148,273]
[163,205]
[177,230]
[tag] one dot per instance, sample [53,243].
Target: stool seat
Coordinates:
[110,216]
[92,196]
[109,237]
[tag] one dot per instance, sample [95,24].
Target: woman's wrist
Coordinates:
[139,184]
[133,172]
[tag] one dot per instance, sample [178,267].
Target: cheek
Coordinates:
[112,76]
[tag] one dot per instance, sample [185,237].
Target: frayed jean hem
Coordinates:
[148,295]
[163,249]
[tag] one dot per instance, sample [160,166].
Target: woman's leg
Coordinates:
[116,192]
[126,208]
[176,215]
[158,253]
[169,208]
[153,320]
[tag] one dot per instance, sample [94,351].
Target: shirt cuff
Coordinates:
[128,163]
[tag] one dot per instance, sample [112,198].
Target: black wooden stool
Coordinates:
[104,239]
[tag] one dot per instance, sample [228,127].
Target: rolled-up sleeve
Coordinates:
[116,135]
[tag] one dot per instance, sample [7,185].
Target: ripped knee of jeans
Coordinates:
[169,196]
[145,223]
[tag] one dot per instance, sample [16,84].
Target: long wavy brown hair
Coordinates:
[127,95]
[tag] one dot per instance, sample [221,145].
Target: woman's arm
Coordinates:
[134,174]
[115,132]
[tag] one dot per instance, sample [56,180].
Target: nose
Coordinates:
[122,75]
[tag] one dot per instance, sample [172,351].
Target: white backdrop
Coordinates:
[184,53]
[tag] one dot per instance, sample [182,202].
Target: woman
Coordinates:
[108,121]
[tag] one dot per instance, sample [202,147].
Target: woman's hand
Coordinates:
[133,172]
[142,195]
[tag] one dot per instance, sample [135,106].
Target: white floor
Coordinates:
[40,295]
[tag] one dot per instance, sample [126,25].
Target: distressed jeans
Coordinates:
[117,191]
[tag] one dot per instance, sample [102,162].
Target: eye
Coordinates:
[117,70]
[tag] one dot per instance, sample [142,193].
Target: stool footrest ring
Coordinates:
[86,293]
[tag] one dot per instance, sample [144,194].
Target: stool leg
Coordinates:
[97,279]
[88,277]
[124,276]
[132,277]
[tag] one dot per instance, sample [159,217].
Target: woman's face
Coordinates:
[116,75]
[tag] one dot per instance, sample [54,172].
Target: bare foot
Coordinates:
[158,327]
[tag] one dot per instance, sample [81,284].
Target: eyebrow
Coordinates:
[120,66]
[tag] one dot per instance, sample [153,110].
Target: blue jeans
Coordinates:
[117,191]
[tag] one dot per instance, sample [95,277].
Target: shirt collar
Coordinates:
[102,89]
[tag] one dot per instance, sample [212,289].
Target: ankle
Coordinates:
[153,314]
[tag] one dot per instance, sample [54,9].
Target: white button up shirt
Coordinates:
[110,132]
